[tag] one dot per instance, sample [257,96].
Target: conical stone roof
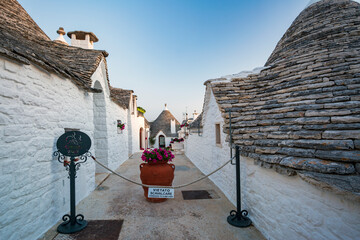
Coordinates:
[303,111]
[163,123]
[323,27]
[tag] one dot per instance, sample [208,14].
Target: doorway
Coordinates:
[161,141]
[141,138]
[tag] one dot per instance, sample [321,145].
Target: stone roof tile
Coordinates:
[121,96]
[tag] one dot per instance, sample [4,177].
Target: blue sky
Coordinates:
[165,50]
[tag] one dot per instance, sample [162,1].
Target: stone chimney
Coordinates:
[172,126]
[195,115]
[82,39]
[60,38]
[166,107]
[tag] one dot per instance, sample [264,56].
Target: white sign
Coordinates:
[161,193]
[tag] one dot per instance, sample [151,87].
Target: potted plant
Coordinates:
[177,140]
[141,111]
[156,170]
[177,143]
[120,126]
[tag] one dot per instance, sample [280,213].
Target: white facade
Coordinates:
[284,207]
[206,154]
[281,207]
[35,108]
[167,139]
[135,125]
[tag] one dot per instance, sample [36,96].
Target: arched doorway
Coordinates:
[161,141]
[141,139]
[100,128]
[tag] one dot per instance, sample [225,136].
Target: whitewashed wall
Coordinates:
[140,123]
[281,207]
[135,122]
[284,207]
[117,143]
[206,154]
[35,107]
[134,128]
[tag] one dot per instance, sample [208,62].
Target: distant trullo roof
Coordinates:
[197,123]
[121,96]
[22,40]
[162,123]
[301,114]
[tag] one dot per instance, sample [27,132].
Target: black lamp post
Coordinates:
[72,144]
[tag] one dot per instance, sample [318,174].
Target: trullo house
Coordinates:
[164,129]
[297,123]
[46,88]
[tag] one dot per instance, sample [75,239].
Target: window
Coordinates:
[217,133]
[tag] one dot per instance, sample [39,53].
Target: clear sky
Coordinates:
[165,50]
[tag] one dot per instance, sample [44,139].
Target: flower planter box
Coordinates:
[177,145]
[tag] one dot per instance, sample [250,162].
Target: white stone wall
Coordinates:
[167,141]
[118,141]
[35,107]
[135,122]
[113,146]
[281,207]
[284,207]
[206,154]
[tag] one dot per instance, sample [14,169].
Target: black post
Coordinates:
[239,217]
[230,134]
[72,191]
[238,186]
[72,223]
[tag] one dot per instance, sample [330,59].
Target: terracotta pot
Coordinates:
[159,174]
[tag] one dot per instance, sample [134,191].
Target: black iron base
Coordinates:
[67,227]
[239,220]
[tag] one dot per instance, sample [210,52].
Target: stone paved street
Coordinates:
[174,219]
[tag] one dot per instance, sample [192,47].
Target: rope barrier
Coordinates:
[153,186]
